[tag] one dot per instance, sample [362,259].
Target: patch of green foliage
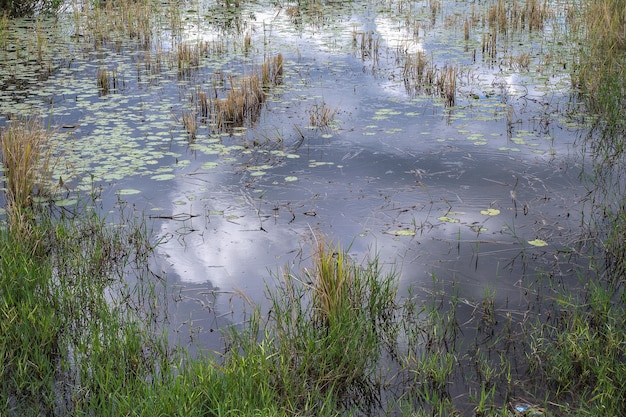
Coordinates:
[580,356]
[68,343]
[601,68]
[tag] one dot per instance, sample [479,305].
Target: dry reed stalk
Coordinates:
[187,58]
[191,124]
[102,78]
[447,85]
[265,72]
[204,104]
[272,71]
[321,115]
[243,100]
[414,69]
[536,14]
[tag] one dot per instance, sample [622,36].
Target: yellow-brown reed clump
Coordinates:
[27,164]
[191,124]
[446,83]
[187,58]
[243,100]
[322,115]
[415,68]
[104,83]
[203,104]
[272,71]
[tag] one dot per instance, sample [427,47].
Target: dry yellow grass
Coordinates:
[27,164]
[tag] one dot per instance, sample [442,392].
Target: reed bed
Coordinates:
[446,84]
[243,98]
[243,101]
[423,77]
[506,17]
[110,20]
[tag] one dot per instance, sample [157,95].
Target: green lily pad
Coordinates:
[128,191]
[66,202]
[209,165]
[490,212]
[163,177]
[448,219]
[403,232]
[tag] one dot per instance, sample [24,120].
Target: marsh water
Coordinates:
[486,192]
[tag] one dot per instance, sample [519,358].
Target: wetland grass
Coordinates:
[423,77]
[190,122]
[187,58]
[446,84]
[328,326]
[322,115]
[245,95]
[27,162]
[103,81]
[600,71]
[243,101]
[131,18]
[579,353]
[75,340]
[272,71]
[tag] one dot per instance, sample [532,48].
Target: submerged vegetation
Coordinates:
[83,320]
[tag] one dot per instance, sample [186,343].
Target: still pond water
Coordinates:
[485,192]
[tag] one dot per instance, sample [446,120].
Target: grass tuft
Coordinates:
[322,115]
[27,162]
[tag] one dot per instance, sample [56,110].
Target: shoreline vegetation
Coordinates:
[78,337]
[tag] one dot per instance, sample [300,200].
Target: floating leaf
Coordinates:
[538,242]
[128,191]
[209,165]
[291,178]
[66,202]
[477,228]
[448,219]
[490,212]
[403,232]
[163,177]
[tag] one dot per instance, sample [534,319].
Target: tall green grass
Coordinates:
[601,68]
[580,354]
[326,331]
[70,344]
